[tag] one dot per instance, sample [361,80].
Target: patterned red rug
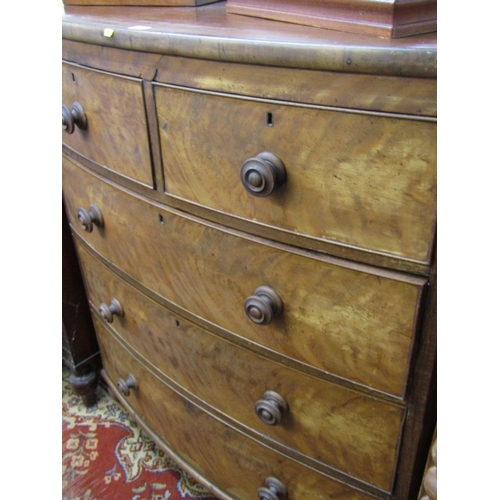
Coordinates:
[106,456]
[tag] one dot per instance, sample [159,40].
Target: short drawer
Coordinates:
[344,429]
[353,321]
[116,135]
[360,180]
[231,461]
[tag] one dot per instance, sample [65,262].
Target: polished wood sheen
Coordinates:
[355,323]
[327,423]
[117,140]
[73,117]
[200,440]
[108,312]
[336,160]
[254,208]
[388,19]
[88,219]
[410,96]
[209,33]
[140,3]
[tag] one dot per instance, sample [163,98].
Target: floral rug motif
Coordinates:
[107,456]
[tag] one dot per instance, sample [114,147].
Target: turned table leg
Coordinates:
[85,386]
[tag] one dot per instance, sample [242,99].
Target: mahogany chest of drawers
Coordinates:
[254,210]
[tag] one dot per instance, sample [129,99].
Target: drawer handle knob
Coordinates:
[263,174]
[124,386]
[264,305]
[88,219]
[275,490]
[271,408]
[74,116]
[107,312]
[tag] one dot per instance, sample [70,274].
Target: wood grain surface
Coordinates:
[354,321]
[210,33]
[117,135]
[236,464]
[349,431]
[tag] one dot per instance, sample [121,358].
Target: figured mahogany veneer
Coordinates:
[199,440]
[116,132]
[253,206]
[355,322]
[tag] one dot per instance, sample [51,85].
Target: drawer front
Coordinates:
[342,320]
[349,431]
[235,463]
[366,181]
[117,140]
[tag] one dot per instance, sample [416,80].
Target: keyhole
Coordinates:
[270,119]
[160,218]
[73,77]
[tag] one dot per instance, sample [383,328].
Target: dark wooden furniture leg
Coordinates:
[80,351]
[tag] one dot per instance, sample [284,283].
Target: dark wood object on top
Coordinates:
[80,350]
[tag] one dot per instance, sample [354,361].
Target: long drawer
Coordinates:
[352,432]
[234,462]
[361,180]
[353,321]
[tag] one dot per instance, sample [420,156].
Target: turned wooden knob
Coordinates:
[124,386]
[275,490]
[107,312]
[88,219]
[263,306]
[74,116]
[263,174]
[271,408]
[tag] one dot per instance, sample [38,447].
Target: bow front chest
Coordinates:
[254,209]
